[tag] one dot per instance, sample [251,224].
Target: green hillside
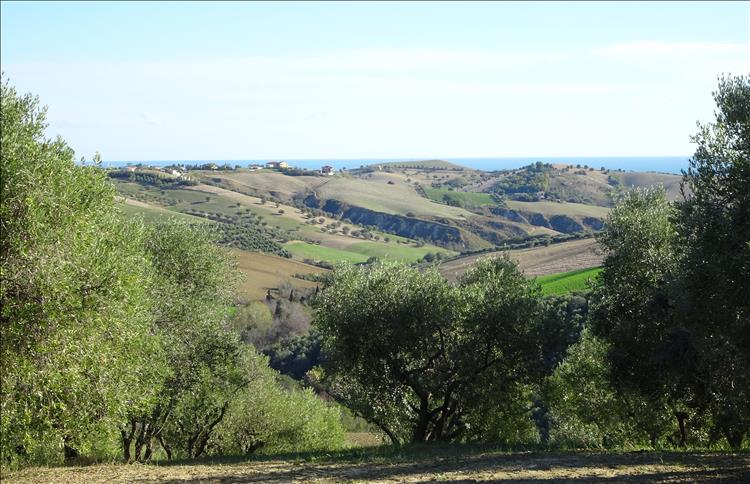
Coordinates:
[459,199]
[305,250]
[152,213]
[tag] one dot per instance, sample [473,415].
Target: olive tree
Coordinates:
[649,355]
[419,357]
[712,295]
[191,292]
[673,302]
[75,325]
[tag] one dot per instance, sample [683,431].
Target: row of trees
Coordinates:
[115,335]
[661,358]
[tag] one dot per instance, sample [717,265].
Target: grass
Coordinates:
[305,250]
[556,208]
[465,199]
[566,282]
[405,253]
[419,463]
[361,251]
[152,213]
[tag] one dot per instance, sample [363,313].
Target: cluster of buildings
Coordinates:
[273,165]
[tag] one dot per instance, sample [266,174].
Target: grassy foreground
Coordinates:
[418,464]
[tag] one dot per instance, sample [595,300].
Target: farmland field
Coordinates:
[566,282]
[304,250]
[466,198]
[398,198]
[538,261]
[266,181]
[393,251]
[420,464]
[264,271]
[557,208]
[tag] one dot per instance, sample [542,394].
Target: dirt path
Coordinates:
[455,465]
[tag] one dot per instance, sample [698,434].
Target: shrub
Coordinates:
[267,418]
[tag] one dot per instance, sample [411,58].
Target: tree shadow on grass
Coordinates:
[469,463]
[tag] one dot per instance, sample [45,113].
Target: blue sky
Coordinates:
[189,81]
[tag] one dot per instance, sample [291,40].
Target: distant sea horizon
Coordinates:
[659,164]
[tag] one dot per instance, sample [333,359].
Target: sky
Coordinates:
[233,81]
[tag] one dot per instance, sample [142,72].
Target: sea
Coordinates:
[659,164]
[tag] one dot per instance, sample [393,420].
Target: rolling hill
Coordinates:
[402,211]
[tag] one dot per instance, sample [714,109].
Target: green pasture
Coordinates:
[566,282]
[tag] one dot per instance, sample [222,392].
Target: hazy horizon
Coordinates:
[658,164]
